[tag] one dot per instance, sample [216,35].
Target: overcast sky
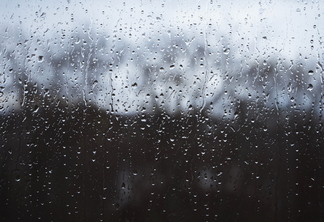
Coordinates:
[287,26]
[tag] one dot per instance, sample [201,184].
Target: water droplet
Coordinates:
[226,51]
[36,108]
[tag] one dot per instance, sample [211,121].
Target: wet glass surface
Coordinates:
[161,111]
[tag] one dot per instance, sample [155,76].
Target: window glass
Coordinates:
[161,110]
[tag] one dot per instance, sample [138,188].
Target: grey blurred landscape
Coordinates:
[170,111]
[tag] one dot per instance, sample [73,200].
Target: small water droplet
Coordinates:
[226,51]
[36,108]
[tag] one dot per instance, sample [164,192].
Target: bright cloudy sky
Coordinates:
[288,25]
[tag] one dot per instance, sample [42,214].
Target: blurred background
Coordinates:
[161,111]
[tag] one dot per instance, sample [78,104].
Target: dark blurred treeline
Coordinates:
[79,163]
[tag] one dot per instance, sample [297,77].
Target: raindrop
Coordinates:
[40,58]
[226,51]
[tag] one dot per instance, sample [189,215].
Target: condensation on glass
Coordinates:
[161,110]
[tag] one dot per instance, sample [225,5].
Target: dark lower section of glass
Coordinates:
[82,164]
